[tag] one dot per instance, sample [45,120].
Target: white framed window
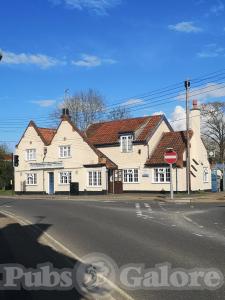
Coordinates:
[161,175]
[65,177]
[31,154]
[64,151]
[31,179]
[126,143]
[94,178]
[130,176]
[205,175]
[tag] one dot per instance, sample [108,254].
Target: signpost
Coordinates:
[170,157]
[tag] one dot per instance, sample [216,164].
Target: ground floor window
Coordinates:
[31,179]
[205,175]
[65,177]
[130,176]
[94,178]
[162,175]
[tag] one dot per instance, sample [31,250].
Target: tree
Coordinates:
[6,169]
[85,107]
[213,128]
[118,113]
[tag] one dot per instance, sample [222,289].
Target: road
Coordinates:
[147,232]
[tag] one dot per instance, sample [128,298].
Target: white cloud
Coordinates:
[44,103]
[99,7]
[178,118]
[206,92]
[186,27]
[211,50]
[40,60]
[158,113]
[217,8]
[132,102]
[91,61]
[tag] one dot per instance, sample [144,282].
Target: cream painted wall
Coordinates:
[137,161]
[199,153]
[81,154]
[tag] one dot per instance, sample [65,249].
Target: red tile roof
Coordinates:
[47,134]
[7,157]
[108,132]
[175,140]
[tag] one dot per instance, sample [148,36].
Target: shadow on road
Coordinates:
[21,245]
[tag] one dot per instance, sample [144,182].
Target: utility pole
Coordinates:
[187,87]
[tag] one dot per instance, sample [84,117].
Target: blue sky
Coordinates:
[122,48]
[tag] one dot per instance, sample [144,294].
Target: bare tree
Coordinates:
[120,112]
[213,128]
[85,107]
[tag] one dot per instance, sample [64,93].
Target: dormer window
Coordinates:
[126,143]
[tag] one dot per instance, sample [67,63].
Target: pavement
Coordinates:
[185,235]
[196,197]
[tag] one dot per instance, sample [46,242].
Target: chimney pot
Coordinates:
[195,104]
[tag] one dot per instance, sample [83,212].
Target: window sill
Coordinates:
[126,152]
[167,182]
[31,184]
[65,157]
[131,182]
[94,186]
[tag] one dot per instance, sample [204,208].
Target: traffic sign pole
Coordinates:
[171,182]
[170,158]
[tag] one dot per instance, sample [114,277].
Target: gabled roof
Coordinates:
[103,159]
[47,135]
[109,132]
[176,140]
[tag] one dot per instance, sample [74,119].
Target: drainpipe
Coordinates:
[45,152]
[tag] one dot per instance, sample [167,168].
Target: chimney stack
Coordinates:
[65,113]
[195,104]
[195,118]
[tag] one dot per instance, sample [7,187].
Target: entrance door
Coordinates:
[115,181]
[51,183]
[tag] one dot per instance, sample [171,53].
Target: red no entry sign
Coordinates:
[170,157]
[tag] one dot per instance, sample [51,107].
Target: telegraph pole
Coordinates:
[187,87]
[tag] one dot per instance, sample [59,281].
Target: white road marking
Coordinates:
[137,205]
[198,234]
[70,253]
[188,219]
[163,208]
